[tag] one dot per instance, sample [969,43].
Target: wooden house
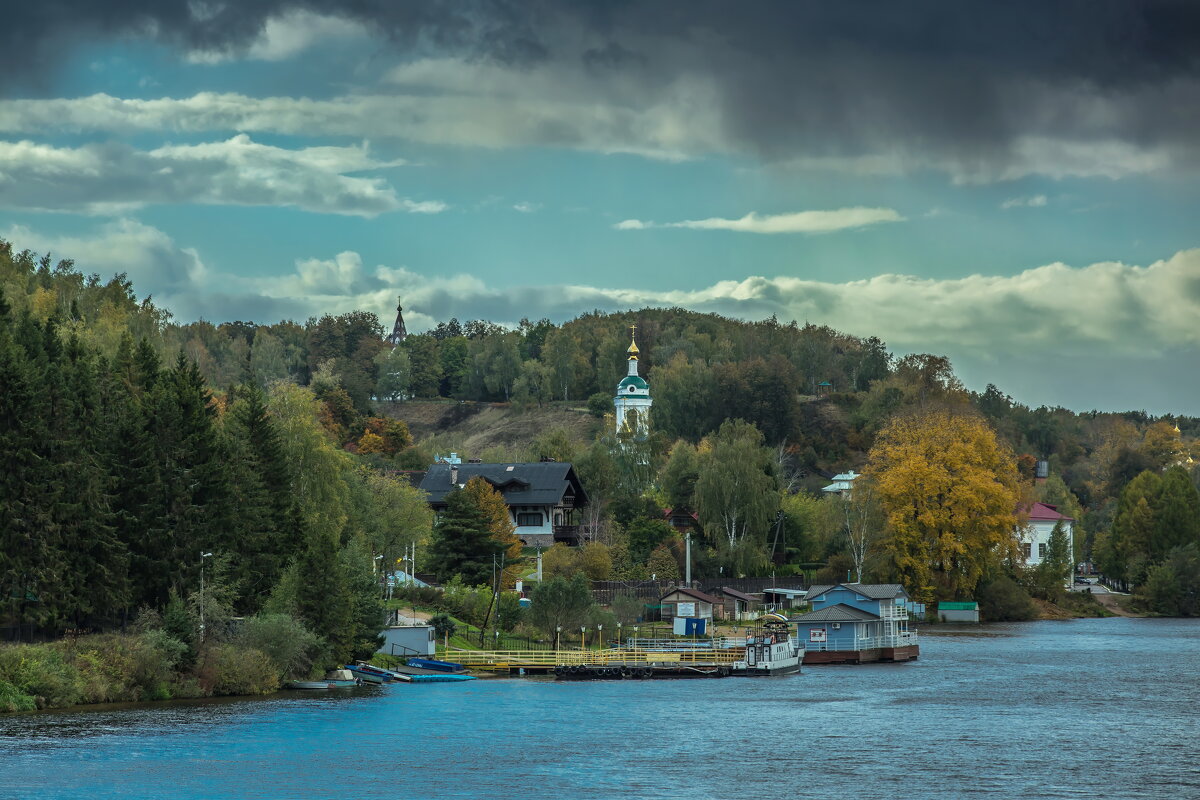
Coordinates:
[543,498]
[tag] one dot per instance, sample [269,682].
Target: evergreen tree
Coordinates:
[463,544]
[322,599]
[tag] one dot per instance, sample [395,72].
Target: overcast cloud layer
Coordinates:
[984,91]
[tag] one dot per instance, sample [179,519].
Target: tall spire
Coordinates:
[633,348]
[399,332]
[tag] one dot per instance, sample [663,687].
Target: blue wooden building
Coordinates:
[856,623]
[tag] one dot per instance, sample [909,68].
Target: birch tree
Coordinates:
[736,492]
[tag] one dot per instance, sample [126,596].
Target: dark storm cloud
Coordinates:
[988,88]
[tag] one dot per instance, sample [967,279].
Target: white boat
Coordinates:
[773,651]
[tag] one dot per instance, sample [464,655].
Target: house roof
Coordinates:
[1046,512]
[701,596]
[839,612]
[874,591]
[734,593]
[543,483]
[787,592]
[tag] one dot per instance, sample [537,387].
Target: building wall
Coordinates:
[419,638]
[845,637]
[1037,535]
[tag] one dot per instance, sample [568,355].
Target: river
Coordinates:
[1085,708]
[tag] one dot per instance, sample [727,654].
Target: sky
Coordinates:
[1013,185]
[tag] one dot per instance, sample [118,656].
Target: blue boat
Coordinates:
[440,678]
[440,666]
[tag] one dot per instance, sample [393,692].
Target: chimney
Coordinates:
[454,474]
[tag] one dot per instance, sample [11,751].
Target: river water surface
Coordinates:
[1083,708]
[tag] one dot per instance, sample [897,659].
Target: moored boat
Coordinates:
[773,651]
[440,666]
[322,684]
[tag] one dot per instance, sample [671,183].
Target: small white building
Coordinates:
[843,484]
[1035,536]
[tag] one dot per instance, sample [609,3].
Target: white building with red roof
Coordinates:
[1035,536]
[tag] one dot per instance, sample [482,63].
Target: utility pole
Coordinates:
[688,570]
[202,557]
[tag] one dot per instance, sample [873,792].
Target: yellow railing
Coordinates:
[511,659]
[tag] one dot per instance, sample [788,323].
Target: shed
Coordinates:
[958,612]
[736,605]
[684,602]
[409,640]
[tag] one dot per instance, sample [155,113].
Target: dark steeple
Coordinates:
[399,333]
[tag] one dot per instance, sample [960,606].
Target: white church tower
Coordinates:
[633,396]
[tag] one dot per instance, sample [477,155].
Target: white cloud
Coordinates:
[526,207]
[114,178]
[796,222]
[1037,201]
[1049,313]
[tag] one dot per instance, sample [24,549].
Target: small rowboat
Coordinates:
[364,670]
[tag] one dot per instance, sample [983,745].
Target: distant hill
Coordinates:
[472,429]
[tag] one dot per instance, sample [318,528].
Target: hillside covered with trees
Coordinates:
[137,444]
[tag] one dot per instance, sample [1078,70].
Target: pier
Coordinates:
[615,663]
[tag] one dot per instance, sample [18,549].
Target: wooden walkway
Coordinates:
[547,660]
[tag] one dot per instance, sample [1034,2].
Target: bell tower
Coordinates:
[633,402]
[399,332]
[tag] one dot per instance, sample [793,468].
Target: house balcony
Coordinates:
[567,534]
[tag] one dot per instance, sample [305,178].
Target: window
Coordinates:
[1025,550]
[1041,549]
[632,389]
[530,519]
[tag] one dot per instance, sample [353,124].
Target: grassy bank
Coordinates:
[154,665]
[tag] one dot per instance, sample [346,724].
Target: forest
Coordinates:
[143,453]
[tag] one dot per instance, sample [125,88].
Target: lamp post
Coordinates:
[557,636]
[582,638]
[202,557]
[635,632]
[620,641]
[600,629]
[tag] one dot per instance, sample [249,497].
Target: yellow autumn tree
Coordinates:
[500,523]
[950,493]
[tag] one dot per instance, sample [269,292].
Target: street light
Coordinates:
[600,628]
[582,638]
[620,641]
[557,636]
[203,556]
[635,631]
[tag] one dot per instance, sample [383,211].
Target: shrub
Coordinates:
[443,625]
[13,699]
[600,404]
[114,668]
[41,672]
[230,670]
[292,647]
[1002,600]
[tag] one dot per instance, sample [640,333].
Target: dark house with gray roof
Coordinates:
[543,498]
